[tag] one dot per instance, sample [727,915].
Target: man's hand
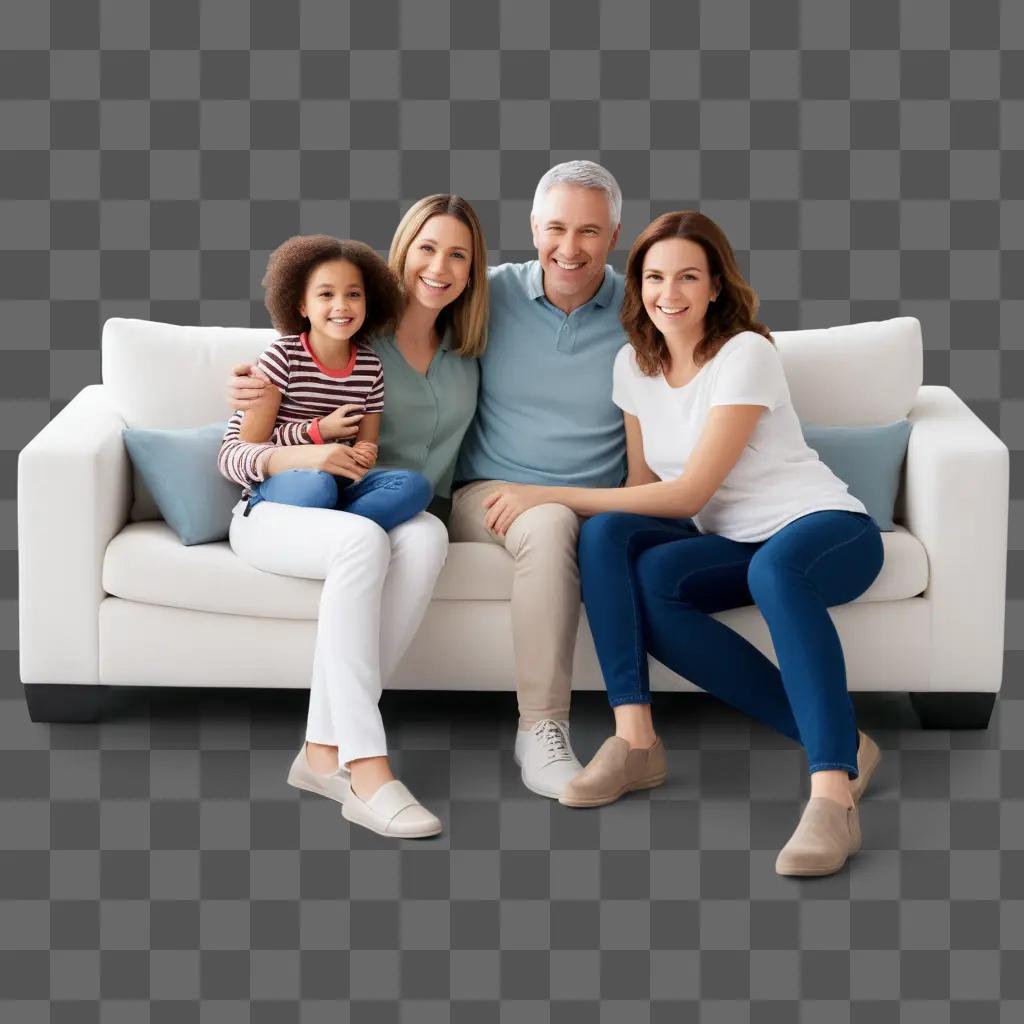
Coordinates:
[507,504]
[246,386]
[341,424]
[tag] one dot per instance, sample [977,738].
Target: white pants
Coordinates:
[377,587]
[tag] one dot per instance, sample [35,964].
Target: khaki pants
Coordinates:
[545,595]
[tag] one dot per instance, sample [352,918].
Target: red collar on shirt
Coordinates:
[349,367]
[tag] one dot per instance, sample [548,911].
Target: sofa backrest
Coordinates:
[162,376]
[857,375]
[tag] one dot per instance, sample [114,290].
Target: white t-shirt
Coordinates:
[777,478]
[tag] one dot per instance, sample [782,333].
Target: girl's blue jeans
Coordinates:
[651,585]
[387,496]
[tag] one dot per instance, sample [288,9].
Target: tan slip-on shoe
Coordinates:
[616,769]
[393,812]
[868,756]
[828,833]
[336,786]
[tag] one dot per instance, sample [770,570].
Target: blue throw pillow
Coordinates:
[180,469]
[867,459]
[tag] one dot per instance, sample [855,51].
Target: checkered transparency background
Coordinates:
[866,159]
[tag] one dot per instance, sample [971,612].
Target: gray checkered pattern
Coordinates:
[867,160]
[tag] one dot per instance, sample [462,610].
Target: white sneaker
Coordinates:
[392,811]
[546,757]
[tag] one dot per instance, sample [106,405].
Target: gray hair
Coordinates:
[582,174]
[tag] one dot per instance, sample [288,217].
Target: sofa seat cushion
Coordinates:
[146,562]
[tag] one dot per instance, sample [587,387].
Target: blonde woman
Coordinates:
[431,378]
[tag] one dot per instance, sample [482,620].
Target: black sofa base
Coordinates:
[958,710]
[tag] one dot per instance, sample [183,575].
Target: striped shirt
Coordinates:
[309,390]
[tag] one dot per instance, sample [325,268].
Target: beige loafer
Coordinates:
[336,786]
[868,756]
[828,834]
[614,770]
[393,812]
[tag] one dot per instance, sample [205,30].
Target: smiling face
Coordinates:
[573,233]
[335,300]
[677,287]
[438,262]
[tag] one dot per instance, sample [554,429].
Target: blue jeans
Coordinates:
[387,496]
[651,585]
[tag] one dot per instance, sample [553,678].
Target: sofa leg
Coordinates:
[953,710]
[64,702]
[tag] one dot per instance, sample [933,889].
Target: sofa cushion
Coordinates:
[146,562]
[179,468]
[856,375]
[867,459]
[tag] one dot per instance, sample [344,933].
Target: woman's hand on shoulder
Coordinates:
[506,504]
[247,386]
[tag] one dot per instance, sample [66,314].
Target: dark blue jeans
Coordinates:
[651,585]
[387,496]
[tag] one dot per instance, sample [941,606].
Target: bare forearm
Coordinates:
[669,499]
[287,457]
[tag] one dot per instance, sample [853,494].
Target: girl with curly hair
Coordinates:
[326,296]
[724,505]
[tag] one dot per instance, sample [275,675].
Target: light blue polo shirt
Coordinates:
[544,413]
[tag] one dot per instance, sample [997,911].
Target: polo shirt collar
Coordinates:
[535,281]
[604,293]
[535,285]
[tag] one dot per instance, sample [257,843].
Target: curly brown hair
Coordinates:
[292,262]
[733,310]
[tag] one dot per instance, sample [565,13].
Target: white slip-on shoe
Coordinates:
[336,786]
[546,758]
[392,811]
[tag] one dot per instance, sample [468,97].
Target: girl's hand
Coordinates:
[340,460]
[507,504]
[365,453]
[336,459]
[342,424]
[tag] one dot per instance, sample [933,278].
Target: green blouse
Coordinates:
[426,415]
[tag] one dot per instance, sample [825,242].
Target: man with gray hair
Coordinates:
[545,416]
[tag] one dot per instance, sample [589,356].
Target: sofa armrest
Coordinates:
[74,490]
[956,502]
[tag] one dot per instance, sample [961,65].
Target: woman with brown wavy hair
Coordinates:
[724,505]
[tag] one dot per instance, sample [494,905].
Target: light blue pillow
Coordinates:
[180,469]
[867,459]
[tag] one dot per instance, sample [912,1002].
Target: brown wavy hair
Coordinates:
[467,315]
[292,262]
[734,309]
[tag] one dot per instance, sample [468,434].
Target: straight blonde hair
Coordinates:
[467,315]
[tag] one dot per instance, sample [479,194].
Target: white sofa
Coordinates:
[106,601]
